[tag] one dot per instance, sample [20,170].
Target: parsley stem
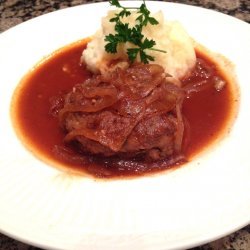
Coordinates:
[159,50]
[131,8]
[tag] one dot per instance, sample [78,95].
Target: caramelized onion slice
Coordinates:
[107,128]
[138,80]
[180,128]
[197,87]
[89,99]
[164,98]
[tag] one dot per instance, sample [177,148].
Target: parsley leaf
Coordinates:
[145,18]
[132,35]
[111,46]
[115,3]
[132,53]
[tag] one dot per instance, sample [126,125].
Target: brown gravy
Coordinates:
[208,112]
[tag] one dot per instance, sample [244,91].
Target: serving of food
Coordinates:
[139,96]
[129,92]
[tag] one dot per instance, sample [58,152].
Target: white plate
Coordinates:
[200,202]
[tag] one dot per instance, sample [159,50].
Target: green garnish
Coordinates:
[133,35]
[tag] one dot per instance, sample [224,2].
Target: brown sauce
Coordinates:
[208,113]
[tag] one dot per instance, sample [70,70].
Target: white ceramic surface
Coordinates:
[200,202]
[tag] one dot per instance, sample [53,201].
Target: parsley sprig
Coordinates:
[123,33]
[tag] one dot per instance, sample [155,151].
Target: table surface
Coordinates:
[14,12]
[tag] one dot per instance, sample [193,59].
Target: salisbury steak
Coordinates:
[130,111]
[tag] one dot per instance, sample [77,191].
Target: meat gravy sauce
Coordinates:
[207,113]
